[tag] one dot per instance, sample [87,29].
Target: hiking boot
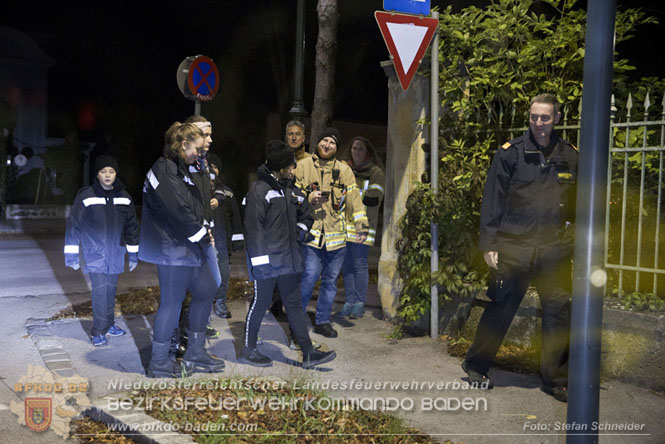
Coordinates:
[559,392]
[316,357]
[162,365]
[211,333]
[345,311]
[99,340]
[475,377]
[197,359]
[325,330]
[115,331]
[221,309]
[357,311]
[253,357]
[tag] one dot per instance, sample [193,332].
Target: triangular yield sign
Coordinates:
[407,38]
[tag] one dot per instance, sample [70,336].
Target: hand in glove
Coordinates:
[72,261]
[133,261]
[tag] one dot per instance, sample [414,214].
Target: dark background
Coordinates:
[117,61]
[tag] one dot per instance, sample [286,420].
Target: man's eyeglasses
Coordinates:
[545,118]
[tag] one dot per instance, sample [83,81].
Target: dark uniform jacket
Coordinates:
[277,219]
[528,203]
[228,224]
[172,228]
[104,224]
[201,177]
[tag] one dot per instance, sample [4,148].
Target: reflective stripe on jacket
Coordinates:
[336,178]
[370,180]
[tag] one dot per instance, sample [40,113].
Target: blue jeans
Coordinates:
[104,287]
[356,273]
[324,264]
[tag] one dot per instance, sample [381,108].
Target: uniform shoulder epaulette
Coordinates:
[506,145]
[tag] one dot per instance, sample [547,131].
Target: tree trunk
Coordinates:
[326,50]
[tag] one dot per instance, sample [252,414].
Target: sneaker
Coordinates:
[115,331]
[345,311]
[211,332]
[253,357]
[293,345]
[317,357]
[99,340]
[357,311]
[559,392]
[325,330]
[475,377]
[220,309]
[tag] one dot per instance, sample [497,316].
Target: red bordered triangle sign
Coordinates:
[407,38]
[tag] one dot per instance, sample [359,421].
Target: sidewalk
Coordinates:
[515,411]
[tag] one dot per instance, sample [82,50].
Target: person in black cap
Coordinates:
[332,193]
[103,221]
[277,222]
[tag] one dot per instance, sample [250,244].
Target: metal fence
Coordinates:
[634,250]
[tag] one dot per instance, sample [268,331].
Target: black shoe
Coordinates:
[475,377]
[316,357]
[221,309]
[559,392]
[197,359]
[253,357]
[325,330]
[167,368]
[211,332]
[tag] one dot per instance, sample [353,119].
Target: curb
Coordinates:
[135,424]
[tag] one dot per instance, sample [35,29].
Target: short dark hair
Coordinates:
[549,99]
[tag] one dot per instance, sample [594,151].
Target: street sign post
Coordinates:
[407,38]
[407,6]
[198,80]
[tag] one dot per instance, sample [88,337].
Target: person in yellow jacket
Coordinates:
[332,192]
[366,166]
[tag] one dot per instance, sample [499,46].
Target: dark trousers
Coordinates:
[174,281]
[104,287]
[553,283]
[225,272]
[290,294]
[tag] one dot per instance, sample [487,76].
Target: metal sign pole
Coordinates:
[197,108]
[587,305]
[434,176]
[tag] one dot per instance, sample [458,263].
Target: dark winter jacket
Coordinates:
[104,224]
[277,219]
[172,229]
[226,217]
[528,206]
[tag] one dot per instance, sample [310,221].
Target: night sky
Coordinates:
[117,60]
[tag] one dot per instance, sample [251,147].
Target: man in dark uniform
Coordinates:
[526,236]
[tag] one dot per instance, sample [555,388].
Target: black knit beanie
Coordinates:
[331,132]
[104,161]
[279,155]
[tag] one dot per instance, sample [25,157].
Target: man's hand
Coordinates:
[361,237]
[214,203]
[317,199]
[492,259]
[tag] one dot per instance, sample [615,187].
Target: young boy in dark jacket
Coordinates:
[103,221]
[277,220]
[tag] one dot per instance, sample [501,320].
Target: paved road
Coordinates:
[37,267]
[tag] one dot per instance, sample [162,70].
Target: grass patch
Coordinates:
[509,357]
[144,301]
[298,422]
[87,430]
